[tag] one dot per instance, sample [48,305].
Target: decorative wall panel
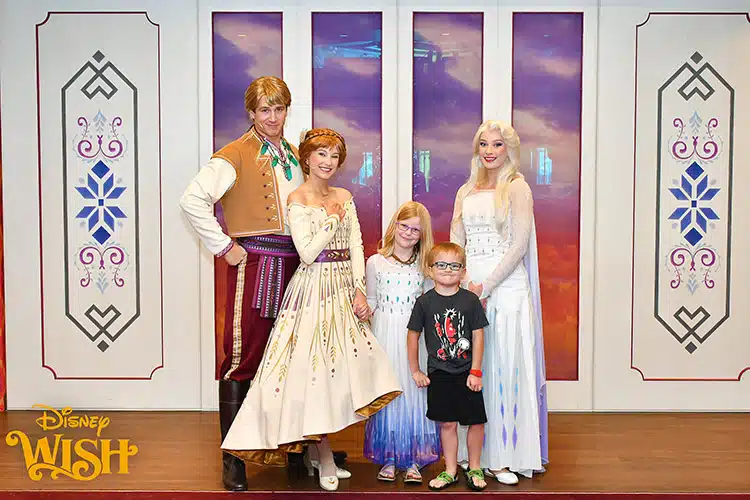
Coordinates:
[99,177]
[690,322]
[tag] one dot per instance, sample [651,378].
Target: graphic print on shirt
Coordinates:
[450,332]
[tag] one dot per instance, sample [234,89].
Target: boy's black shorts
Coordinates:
[450,400]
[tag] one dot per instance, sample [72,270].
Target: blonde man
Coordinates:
[251,178]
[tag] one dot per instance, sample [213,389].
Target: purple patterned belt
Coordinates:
[333,256]
[269,280]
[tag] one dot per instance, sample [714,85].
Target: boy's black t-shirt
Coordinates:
[448,323]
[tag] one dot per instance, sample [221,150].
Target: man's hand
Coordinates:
[235,255]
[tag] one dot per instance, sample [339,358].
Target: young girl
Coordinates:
[400,437]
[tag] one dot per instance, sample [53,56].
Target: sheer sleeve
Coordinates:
[458,233]
[357,251]
[371,275]
[522,214]
[310,245]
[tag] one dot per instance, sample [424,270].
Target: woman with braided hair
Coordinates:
[322,369]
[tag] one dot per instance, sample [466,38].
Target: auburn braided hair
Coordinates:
[317,138]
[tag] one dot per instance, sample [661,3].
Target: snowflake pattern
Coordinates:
[101,210]
[695,213]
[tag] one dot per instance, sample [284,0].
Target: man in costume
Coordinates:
[251,177]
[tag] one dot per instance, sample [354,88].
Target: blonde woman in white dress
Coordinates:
[323,369]
[493,219]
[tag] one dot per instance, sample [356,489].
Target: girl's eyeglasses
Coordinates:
[404,228]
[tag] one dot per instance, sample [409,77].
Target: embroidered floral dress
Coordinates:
[401,434]
[322,369]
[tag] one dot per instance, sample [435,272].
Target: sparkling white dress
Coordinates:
[322,370]
[401,433]
[505,262]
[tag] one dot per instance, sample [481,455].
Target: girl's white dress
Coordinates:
[400,434]
[513,365]
[323,369]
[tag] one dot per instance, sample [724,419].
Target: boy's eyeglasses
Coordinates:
[453,266]
[404,228]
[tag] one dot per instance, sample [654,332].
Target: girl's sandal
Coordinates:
[387,473]
[472,476]
[444,480]
[413,475]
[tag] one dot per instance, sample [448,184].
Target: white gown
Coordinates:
[401,432]
[323,369]
[513,364]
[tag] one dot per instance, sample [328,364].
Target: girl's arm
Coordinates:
[412,347]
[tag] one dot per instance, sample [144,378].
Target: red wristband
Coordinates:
[476,373]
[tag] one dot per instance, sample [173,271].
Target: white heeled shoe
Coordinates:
[314,464]
[328,483]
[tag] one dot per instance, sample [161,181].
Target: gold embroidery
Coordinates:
[332,340]
[337,255]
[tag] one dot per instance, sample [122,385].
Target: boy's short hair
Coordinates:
[446,247]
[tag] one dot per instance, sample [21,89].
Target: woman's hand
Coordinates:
[335,208]
[476,288]
[361,308]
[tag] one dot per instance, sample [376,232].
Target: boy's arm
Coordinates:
[477,349]
[474,381]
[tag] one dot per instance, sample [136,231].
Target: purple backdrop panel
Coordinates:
[246,45]
[447,62]
[547,76]
[347,79]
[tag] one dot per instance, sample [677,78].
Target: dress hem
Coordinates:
[279,456]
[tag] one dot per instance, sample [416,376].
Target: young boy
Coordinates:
[453,321]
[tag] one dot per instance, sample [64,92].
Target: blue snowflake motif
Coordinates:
[695,215]
[101,191]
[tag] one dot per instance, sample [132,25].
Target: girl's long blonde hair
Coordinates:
[508,172]
[407,211]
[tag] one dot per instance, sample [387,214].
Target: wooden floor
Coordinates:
[658,453]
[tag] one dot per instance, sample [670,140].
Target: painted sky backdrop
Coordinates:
[447,96]
[547,71]
[246,46]
[447,92]
[347,97]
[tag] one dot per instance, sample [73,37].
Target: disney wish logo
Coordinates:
[79,459]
